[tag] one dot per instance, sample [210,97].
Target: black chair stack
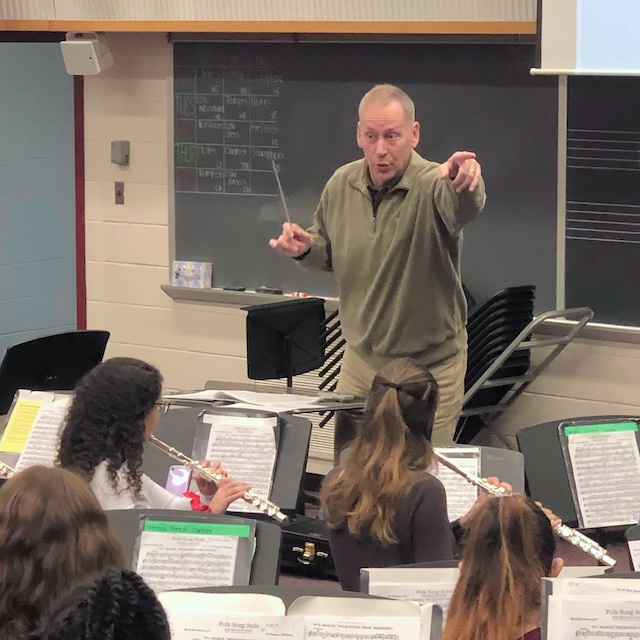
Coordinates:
[491,328]
[334,345]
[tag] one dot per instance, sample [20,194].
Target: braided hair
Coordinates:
[106,420]
[117,605]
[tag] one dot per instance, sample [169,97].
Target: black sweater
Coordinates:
[421,527]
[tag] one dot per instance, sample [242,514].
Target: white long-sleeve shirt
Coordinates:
[152,495]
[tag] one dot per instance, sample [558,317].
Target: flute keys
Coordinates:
[281,517]
[266,506]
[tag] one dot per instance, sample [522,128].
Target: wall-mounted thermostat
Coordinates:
[120,152]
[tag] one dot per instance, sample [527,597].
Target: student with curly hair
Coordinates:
[53,534]
[382,505]
[117,605]
[115,407]
[511,546]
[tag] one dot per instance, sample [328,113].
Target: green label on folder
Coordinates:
[601,428]
[198,528]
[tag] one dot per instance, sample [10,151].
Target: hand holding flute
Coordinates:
[561,530]
[261,503]
[6,471]
[222,493]
[503,487]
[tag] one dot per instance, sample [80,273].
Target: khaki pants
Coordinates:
[356,377]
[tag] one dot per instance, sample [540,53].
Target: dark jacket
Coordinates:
[421,527]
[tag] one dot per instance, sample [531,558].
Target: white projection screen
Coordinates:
[589,37]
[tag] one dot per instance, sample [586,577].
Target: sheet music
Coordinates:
[19,425]
[460,494]
[196,603]
[265,399]
[583,617]
[42,444]
[606,473]
[422,593]
[247,449]
[171,556]
[582,571]
[275,407]
[611,588]
[362,628]
[634,552]
[251,399]
[216,627]
[37,396]
[591,586]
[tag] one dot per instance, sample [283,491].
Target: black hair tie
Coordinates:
[392,385]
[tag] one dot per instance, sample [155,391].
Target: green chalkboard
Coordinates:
[237,105]
[603,197]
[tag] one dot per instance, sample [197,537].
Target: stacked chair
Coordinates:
[334,345]
[499,366]
[491,328]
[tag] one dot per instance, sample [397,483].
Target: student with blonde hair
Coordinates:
[510,547]
[382,505]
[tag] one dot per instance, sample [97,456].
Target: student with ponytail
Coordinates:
[382,506]
[510,547]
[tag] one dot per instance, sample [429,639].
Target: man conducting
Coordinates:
[389,227]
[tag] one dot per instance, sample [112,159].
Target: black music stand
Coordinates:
[285,339]
[180,426]
[546,472]
[50,363]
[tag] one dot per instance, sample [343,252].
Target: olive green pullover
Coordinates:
[398,268]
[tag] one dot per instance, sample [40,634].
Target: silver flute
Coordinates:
[573,536]
[6,471]
[262,504]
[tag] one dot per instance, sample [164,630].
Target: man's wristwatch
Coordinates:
[302,256]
